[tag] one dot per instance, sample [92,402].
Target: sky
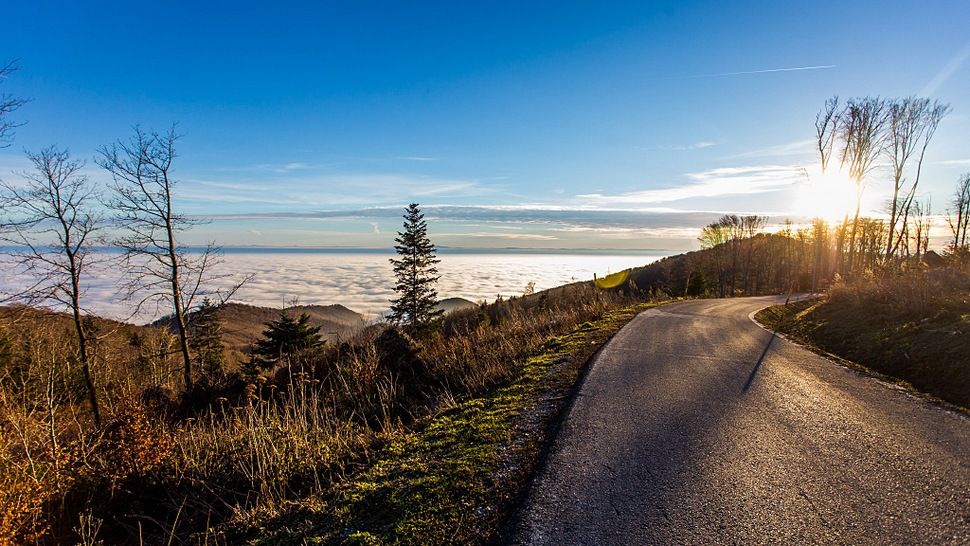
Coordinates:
[606,125]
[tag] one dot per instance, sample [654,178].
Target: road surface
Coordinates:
[696,426]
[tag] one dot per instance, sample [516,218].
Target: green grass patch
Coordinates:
[454,480]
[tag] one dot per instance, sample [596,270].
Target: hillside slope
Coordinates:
[916,329]
[243,324]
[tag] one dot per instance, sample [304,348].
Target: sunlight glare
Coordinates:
[829,197]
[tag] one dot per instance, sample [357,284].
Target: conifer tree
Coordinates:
[286,337]
[205,338]
[416,307]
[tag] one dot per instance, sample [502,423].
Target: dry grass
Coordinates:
[913,326]
[242,450]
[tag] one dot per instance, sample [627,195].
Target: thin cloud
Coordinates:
[525,220]
[417,158]
[311,189]
[798,147]
[515,236]
[682,147]
[711,183]
[954,162]
[276,168]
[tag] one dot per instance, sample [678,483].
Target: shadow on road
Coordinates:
[757,366]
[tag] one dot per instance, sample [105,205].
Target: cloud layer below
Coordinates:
[364,281]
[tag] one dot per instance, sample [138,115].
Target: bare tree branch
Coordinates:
[51,227]
[160,272]
[912,122]
[8,105]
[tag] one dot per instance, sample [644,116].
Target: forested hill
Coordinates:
[762,264]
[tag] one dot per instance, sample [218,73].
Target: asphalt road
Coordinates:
[696,426]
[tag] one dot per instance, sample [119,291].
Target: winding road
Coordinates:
[696,426]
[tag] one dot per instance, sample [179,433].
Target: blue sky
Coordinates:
[554,125]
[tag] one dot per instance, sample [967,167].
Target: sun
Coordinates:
[829,197]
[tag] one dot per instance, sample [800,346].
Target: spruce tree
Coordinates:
[286,337]
[416,307]
[205,338]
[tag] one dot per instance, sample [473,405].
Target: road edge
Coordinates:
[508,533]
[888,381]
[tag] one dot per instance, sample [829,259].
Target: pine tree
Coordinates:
[205,338]
[286,337]
[416,307]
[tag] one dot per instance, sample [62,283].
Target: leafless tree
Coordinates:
[8,104]
[751,225]
[820,242]
[912,122]
[958,217]
[921,221]
[714,236]
[827,133]
[863,141]
[827,130]
[52,225]
[161,271]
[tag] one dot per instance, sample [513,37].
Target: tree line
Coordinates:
[860,138]
[863,139]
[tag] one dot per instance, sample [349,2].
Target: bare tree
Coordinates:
[863,141]
[161,271]
[714,236]
[751,225]
[52,226]
[921,220]
[958,217]
[912,122]
[8,104]
[827,130]
[820,242]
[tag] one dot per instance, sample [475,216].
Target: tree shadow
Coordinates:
[757,366]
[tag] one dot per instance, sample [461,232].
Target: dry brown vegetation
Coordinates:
[234,449]
[912,325]
[242,323]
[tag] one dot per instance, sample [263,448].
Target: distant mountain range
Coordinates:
[243,324]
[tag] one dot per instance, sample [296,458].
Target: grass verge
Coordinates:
[926,354]
[454,480]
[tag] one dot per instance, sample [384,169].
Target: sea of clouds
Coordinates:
[363,282]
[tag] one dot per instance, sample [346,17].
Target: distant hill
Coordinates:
[449,305]
[34,317]
[243,324]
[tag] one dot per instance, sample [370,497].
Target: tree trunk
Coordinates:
[83,350]
[177,295]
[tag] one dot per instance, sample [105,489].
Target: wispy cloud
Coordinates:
[525,220]
[710,183]
[513,236]
[276,168]
[313,189]
[700,145]
[768,71]
[417,158]
[797,147]
[946,72]
[954,162]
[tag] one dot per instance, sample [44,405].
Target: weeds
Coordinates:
[236,449]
